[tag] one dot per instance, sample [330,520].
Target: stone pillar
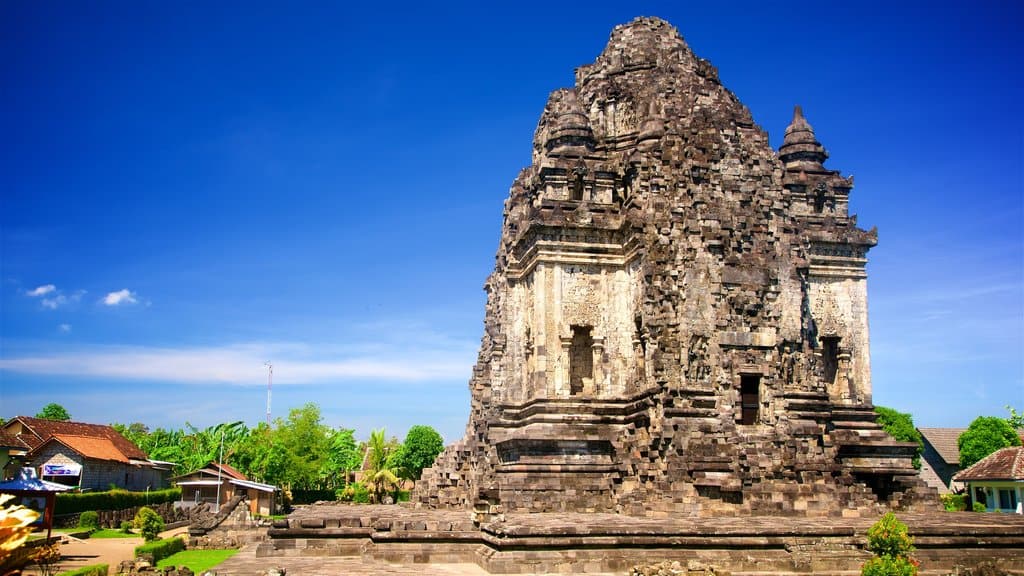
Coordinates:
[497,374]
[562,367]
[538,383]
[600,386]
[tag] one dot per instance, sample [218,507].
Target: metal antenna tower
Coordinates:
[270,382]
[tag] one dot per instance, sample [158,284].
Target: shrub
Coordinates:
[889,541]
[89,520]
[148,523]
[888,537]
[126,527]
[161,549]
[356,492]
[46,558]
[75,502]
[954,502]
[900,426]
[979,507]
[93,570]
[889,566]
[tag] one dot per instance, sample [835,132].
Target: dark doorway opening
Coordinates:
[750,398]
[581,358]
[830,357]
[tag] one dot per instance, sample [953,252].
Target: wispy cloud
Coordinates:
[55,302]
[242,364]
[42,290]
[64,328]
[123,296]
[52,298]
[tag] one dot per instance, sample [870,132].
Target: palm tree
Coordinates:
[380,476]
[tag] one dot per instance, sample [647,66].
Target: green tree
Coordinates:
[148,523]
[380,475]
[984,436]
[343,455]
[1016,419]
[252,456]
[54,411]
[900,426]
[298,449]
[419,450]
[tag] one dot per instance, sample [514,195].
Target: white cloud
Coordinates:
[243,364]
[42,290]
[52,298]
[64,328]
[124,296]
[55,302]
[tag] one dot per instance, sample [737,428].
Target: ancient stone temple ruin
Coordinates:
[675,365]
[677,319]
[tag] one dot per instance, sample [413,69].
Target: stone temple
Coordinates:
[675,363]
[677,320]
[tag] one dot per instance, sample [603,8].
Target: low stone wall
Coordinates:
[114,518]
[145,568]
[947,542]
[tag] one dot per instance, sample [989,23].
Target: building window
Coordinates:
[1007,498]
[979,496]
[750,398]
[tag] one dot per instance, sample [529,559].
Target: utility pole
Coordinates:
[220,467]
[270,382]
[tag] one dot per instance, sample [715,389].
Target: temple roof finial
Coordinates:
[800,144]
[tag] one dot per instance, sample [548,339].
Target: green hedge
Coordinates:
[161,548]
[94,570]
[311,496]
[73,503]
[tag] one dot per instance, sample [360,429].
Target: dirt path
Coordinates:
[109,551]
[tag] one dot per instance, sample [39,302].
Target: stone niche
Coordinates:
[677,319]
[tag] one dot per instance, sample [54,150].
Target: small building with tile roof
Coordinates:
[220,481]
[940,459]
[997,480]
[86,456]
[12,456]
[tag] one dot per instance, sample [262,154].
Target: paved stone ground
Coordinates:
[245,563]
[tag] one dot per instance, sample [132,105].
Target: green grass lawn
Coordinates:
[106,533]
[197,560]
[112,533]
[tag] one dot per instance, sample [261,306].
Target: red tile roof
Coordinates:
[227,471]
[1003,464]
[9,440]
[210,470]
[38,430]
[95,448]
[944,440]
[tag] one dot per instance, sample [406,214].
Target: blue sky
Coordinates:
[192,189]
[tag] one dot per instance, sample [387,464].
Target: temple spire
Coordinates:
[800,148]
